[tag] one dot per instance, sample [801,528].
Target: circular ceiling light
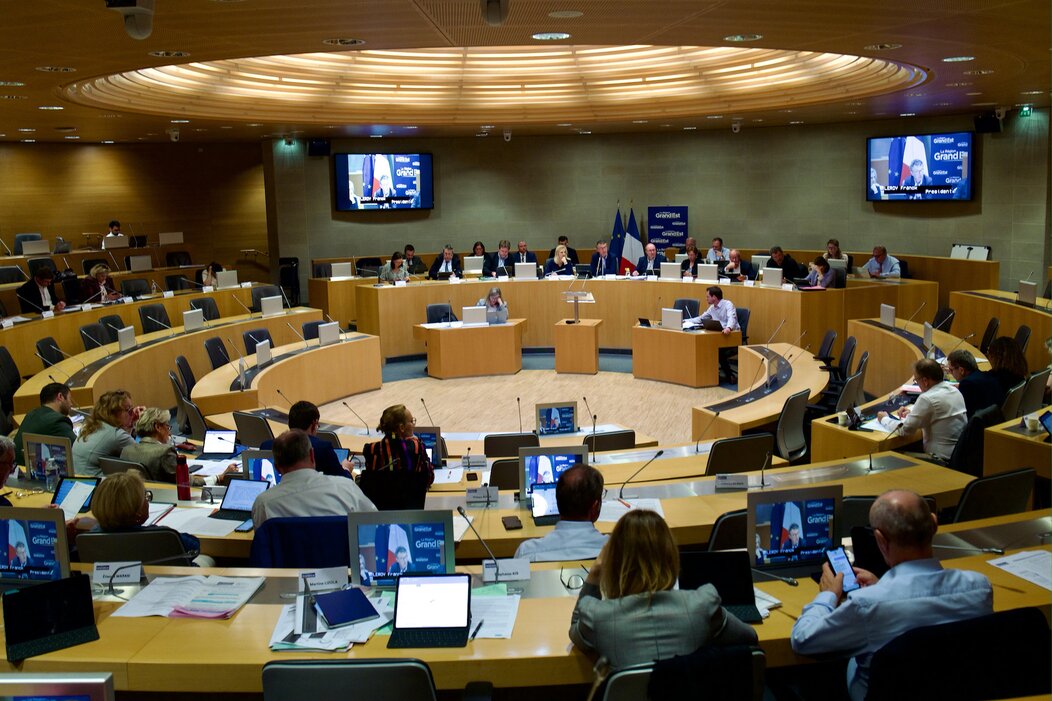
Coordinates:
[13,97]
[51,108]
[169,54]
[551,36]
[11,84]
[55,69]
[343,41]
[980,71]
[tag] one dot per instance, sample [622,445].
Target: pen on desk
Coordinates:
[624,503]
[477,629]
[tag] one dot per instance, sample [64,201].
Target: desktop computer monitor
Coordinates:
[36,546]
[386,544]
[555,418]
[47,456]
[793,527]
[545,465]
[45,686]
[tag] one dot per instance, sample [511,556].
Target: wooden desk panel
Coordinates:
[494,349]
[682,358]
[974,312]
[577,346]
[338,297]
[1006,447]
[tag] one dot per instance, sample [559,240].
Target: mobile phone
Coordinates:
[473,477]
[244,527]
[841,565]
[511,523]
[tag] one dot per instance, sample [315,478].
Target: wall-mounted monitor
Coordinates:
[383,181]
[921,167]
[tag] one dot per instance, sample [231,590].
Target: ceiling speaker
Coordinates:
[494,12]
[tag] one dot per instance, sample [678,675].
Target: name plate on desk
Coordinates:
[102,571]
[476,461]
[511,570]
[7,323]
[399,283]
[168,294]
[208,288]
[246,285]
[749,283]
[455,280]
[732,481]
[483,495]
[127,299]
[788,286]
[47,314]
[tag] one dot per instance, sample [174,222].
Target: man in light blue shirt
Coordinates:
[579,494]
[915,592]
[883,265]
[717,252]
[723,311]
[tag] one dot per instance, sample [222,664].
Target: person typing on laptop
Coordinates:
[303,491]
[579,494]
[496,307]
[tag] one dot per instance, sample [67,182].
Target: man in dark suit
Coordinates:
[571,253]
[448,262]
[525,255]
[413,265]
[38,295]
[790,268]
[648,264]
[306,417]
[738,269]
[499,264]
[979,389]
[603,262]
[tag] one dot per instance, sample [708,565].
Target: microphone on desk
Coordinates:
[348,407]
[793,356]
[621,492]
[282,394]
[117,267]
[595,417]
[949,317]
[957,345]
[7,249]
[255,341]
[763,365]
[243,305]
[161,323]
[763,469]
[288,304]
[101,290]
[293,330]
[970,548]
[186,557]
[701,436]
[67,355]
[97,342]
[496,565]
[518,406]
[923,304]
[767,345]
[1029,275]
[427,412]
[240,367]
[49,366]
[788,580]
[112,328]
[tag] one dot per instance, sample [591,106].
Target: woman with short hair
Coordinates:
[154,451]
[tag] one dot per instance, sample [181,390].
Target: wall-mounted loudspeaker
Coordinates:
[318,147]
[987,123]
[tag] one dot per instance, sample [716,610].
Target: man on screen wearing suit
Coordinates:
[603,262]
[499,264]
[448,262]
[525,255]
[738,269]
[571,253]
[649,263]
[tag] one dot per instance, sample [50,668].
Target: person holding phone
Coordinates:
[915,592]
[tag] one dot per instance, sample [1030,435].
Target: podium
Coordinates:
[577,298]
[577,346]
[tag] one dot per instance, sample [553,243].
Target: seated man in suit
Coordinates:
[882,265]
[979,389]
[915,592]
[525,255]
[303,491]
[738,269]
[448,262]
[304,416]
[51,418]
[579,494]
[38,295]
[499,264]
[790,268]
[413,265]
[716,252]
[603,262]
[571,253]
[648,264]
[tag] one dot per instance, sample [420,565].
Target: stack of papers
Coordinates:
[191,597]
[613,510]
[887,424]
[1032,565]
[196,521]
[299,626]
[449,475]
[765,602]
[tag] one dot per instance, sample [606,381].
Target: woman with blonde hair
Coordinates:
[559,264]
[97,287]
[106,432]
[628,611]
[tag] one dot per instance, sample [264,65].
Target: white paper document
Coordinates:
[192,597]
[74,500]
[887,424]
[496,613]
[211,467]
[450,475]
[157,510]
[614,509]
[1034,566]
[196,521]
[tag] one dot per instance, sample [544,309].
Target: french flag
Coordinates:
[16,533]
[397,538]
[633,249]
[790,516]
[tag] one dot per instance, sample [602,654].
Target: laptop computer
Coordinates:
[219,445]
[729,572]
[109,242]
[237,502]
[342,270]
[225,279]
[271,306]
[432,610]
[526,270]
[671,271]
[65,485]
[473,265]
[544,507]
[48,617]
[645,323]
[36,248]
[473,316]
[706,325]
[772,277]
[708,272]
[140,263]
[36,547]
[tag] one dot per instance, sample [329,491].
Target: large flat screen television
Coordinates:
[383,181]
[921,167]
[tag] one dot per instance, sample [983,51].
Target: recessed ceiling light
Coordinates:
[200,129]
[640,121]
[111,115]
[907,114]
[26,129]
[482,133]
[584,132]
[960,84]
[11,84]
[666,125]
[561,124]
[758,119]
[74,136]
[551,36]
[51,108]
[914,94]
[973,94]
[743,37]
[253,124]
[980,71]
[714,116]
[410,126]
[179,121]
[797,122]
[343,41]
[785,111]
[56,69]
[226,127]
[884,46]
[170,54]
[958,59]
[13,97]
[942,104]
[565,14]
[484,127]
[376,136]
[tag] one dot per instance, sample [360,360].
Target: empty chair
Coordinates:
[944,319]
[849,394]
[110,324]
[740,454]
[111,465]
[48,351]
[261,291]
[330,437]
[180,422]
[174,259]
[252,430]
[506,445]
[208,307]
[395,490]
[863,364]
[389,679]
[176,282]
[135,287]
[307,542]
[217,354]
[1013,400]
[996,495]
[743,322]
[722,671]
[840,372]
[255,336]
[1022,337]
[504,474]
[825,351]
[1033,393]
[839,278]
[629,684]
[437,313]
[196,419]
[186,374]
[611,440]
[19,238]
[368,266]
[133,546]
[689,307]
[789,437]
[729,531]
[11,273]
[967,454]
[154,317]
[89,263]
[289,279]
[321,270]
[989,335]
[71,291]
[93,336]
[35,264]
[310,329]
[10,381]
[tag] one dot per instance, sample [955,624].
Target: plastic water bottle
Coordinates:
[153,286]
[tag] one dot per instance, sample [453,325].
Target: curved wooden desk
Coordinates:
[977,307]
[300,374]
[144,371]
[1010,446]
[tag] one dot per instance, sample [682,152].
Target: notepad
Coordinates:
[344,607]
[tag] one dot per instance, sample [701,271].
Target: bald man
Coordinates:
[915,592]
[579,494]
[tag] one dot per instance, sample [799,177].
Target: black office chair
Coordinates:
[135,287]
[88,263]
[388,679]
[943,320]
[1034,392]
[506,445]
[997,656]
[690,307]
[112,466]
[217,355]
[394,490]
[825,350]
[48,352]
[838,374]
[208,307]
[504,474]
[310,329]
[611,440]
[321,270]
[71,291]
[368,266]
[1022,337]
[261,291]
[289,278]
[19,238]
[330,437]
[252,430]
[743,323]
[35,264]
[723,671]
[997,495]
[176,282]
[789,436]
[301,542]
[154,317]
[730,532]
[740,454]
[180,421]
[1013,400]
[111,323]
[175,259]
[967,454]
[254,336]
[628,684]
[11,273]
[839,278]
[186,374]
[904,269]
[196,419]
[438,313]
[989,335]
[93,335]
[133,546]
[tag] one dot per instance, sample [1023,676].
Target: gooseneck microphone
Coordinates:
[496,565]
[777,577]
[186,557]
[31,303]
[768,344]
[282,395]
[243,305]
[427,412]
[161,323]
[621,492]
[970,548]
[240,367]
[50,366]
[958,344]
[595,417]
[701,436]
[912,316]
[293,330]
[518,405]
[348,407]
[97,342]
[67,355]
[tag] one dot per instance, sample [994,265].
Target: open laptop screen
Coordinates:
[36,546]
[241,493]
[220,442]
[556,418]
[388,544]
[433,602]
[47,455]
[793,526]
